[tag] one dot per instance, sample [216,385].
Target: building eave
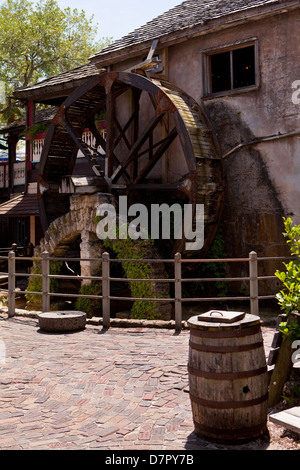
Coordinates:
[105,59]
[55,89]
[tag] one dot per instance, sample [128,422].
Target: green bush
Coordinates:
[90,306]
[289,297]
[129,249]
[35,283]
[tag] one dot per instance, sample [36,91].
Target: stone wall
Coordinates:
[81,222]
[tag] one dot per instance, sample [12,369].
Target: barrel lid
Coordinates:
[208,321]
[221,316]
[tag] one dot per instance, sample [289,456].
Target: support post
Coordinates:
[253,273]
[178,292]
[106,290]
[11,284]
[283,366]
[46,281]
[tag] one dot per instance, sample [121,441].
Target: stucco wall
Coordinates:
[262,181]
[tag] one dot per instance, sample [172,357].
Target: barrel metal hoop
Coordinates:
[225,405]
[237,333]
[225,349]
[227,376]
[240,433]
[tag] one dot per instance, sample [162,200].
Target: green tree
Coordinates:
[39,40]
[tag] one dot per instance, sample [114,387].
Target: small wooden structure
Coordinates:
[289,419]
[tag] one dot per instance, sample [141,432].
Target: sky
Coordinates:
[116,18]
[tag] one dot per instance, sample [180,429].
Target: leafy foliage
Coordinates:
[289,297]
[39,40]
[210,270]
[90,306]
[129,249]
[35,283]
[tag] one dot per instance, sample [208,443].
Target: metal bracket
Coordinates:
[148,63]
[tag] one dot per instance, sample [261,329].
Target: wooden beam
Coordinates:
[289,419]
[153,186]
[82,147]
[138,81]
[137,146]
[101,141]
[43,216]
[135,104]
[110,132]
[46,147]
[164,145]
[122,133]
[87,86]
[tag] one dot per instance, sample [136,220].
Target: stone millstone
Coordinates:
[62,321]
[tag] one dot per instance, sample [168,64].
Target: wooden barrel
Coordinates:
[228,378]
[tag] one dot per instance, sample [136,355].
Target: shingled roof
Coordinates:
[63,81]
[183,17]
[20,206]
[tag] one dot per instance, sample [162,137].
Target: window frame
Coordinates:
[206,68]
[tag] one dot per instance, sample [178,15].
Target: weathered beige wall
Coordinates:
[263,181]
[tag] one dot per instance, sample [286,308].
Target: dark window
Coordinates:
[220,72]
[233,69]
[243,61]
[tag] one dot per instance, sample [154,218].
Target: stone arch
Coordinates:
[81,221]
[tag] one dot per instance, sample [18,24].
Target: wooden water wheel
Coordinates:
[158,147]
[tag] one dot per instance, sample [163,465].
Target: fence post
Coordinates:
[46,281]
[105,290]
[11,284]
[253,272]
[178,291]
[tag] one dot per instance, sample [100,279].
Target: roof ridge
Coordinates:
[187,14]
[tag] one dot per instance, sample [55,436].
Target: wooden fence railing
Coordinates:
[253,279]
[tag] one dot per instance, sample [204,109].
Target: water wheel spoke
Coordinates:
[133,154]
[163,146]
[102,142]
[84,149]
[122,132]
[81,91]
[110,131]
[154,102]
[46,147]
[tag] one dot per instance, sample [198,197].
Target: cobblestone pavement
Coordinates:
[120,389]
